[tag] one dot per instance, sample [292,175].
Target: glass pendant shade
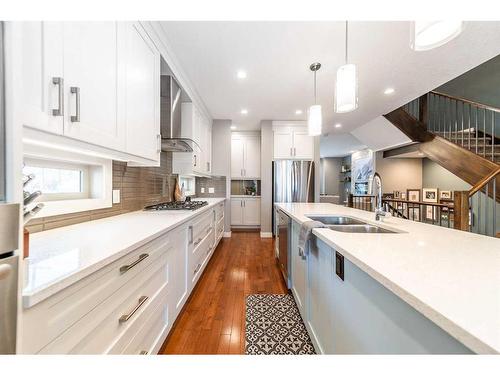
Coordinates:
[426,35]
[314,120]
[346,89]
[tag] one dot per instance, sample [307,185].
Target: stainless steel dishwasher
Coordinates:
[283,238]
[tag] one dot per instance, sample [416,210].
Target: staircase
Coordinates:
[463,137]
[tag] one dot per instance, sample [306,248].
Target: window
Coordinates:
[57,180]
[189,185]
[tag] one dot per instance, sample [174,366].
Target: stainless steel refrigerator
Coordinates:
[293,181]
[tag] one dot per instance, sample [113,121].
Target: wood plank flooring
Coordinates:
[213,320]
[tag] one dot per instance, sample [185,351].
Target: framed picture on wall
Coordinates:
[413,195]
[445,194]
[397,194]
[430,195]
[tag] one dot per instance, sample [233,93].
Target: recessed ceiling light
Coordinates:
[241,74]
[244,111]
[338,125]
[233,127]
[389,91]
[298,112]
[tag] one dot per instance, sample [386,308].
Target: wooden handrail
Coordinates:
[482,183]
[471,102]
[417,202]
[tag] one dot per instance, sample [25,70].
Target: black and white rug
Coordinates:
[274,326]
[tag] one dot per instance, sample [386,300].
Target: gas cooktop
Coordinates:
[186,205]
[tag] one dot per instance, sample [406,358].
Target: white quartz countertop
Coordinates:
[63,256]
[451,277]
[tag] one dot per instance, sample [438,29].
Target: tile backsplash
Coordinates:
[216,182]
[139,186]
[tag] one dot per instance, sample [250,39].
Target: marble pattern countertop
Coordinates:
[449,276]
[63,256]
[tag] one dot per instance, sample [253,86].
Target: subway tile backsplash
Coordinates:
[216,182]
[139,186]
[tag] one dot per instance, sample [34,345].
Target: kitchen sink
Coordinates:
[365,228]
[337,220]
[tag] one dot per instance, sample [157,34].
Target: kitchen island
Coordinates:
[422,289]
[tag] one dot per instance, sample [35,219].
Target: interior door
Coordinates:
[236,211]
[90,67]
[251,211]
[142,91]
[42,73]
[283,143]
[251,167]
[303,145]
[237,157]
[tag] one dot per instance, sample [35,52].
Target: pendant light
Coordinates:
[346,86]
[426,35]
[314,117]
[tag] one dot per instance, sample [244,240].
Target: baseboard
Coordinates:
[227,234]
[266,234]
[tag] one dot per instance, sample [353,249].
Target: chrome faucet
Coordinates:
[377,187]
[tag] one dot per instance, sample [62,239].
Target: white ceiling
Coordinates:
[336,145]
[277,55]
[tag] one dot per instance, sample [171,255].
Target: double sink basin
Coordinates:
[348,224]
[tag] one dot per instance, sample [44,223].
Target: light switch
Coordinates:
[116,196]
[211,190]
[202,190]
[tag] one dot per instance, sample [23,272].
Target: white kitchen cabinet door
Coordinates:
[237,157]
[236,211]
[299,272]
[320,315]
[139,110]
[90,78]
[42,74]
[179,240]
[303,145]
[251,211]
[208,154]
[251,164]
[283,144]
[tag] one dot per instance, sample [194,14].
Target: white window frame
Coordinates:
[100,181]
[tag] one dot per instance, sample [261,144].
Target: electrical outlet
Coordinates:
[116,196]
[202,190]
[211,190]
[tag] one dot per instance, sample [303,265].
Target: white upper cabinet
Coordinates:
[245,156]
[196,126]
[42,75]
[96,84]
[139,94]
[292,142]
[90,80]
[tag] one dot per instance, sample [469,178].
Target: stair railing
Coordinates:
[483,201]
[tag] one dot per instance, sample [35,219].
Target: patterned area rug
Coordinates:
[274,326]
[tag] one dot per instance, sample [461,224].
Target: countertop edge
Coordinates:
[453,329]
[33,297]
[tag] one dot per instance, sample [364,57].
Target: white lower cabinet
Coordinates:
[299,271]
[245,211]
[128,306]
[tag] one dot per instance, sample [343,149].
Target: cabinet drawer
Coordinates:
[219,211]
[97,331]
[65,308]
[201,227]
[199,256]
[143,335]
[220,228]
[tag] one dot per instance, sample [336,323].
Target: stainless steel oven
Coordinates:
[283,243]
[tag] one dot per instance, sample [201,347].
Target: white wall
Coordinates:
[330,175]
[221,160]
[399,174]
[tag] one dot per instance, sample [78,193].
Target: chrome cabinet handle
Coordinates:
[158,143]
[294,151]
[194,160]
[126,317]
[241,172]
[209,249]
[190,234]
[76,91]
[125,268]
[197,269]
[59,81]
[208,166]
[209,229]
[291,151]
[143,352]
[197,242]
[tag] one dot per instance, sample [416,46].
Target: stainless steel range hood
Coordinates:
[170,118]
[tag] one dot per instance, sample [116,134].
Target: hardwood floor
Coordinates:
[213,320]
